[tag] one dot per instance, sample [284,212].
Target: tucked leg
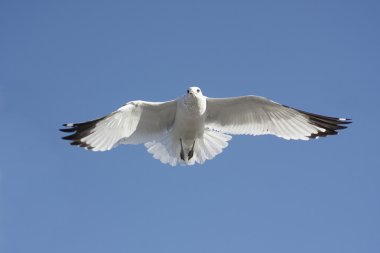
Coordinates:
[182,153]
[191,152]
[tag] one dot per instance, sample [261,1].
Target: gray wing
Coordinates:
[134,123]
[255,115]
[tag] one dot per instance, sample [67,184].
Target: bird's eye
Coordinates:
[198,90]
[188,91]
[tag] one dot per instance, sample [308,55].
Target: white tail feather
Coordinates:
[164,149]
[167,150]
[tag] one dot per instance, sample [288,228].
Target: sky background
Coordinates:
[70,61]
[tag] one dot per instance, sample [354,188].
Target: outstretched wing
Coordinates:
[255,115]
[134,123]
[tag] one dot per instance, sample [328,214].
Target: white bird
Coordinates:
[195,128]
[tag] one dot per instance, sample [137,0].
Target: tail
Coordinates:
[210,145]
[167,150]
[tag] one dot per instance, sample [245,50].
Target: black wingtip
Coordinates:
[345,121]
[69,137]
[77,131]
[67,130]
[330,125]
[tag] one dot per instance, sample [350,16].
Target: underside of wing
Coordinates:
[255,115]
[134,123]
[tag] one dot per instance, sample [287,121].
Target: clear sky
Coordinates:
[69,61]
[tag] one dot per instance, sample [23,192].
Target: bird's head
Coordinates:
[194,92]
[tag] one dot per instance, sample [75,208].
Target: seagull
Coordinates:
[195,128]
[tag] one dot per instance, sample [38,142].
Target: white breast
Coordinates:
[190,118]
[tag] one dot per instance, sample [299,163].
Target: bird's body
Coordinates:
[189,120]
[190,117]
[195,128]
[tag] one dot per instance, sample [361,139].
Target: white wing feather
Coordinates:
[134,123]
[255,115]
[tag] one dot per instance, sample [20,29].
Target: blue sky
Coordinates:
[65,61]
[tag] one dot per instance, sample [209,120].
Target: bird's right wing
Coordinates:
[255,115]
[134,123]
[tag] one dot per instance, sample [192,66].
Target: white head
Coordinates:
[194,92]
[194,102]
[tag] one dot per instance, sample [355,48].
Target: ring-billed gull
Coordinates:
[195,128]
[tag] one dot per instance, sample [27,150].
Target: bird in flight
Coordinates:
[195,128]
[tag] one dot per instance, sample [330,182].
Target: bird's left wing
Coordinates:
[134,123]
[255,115]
